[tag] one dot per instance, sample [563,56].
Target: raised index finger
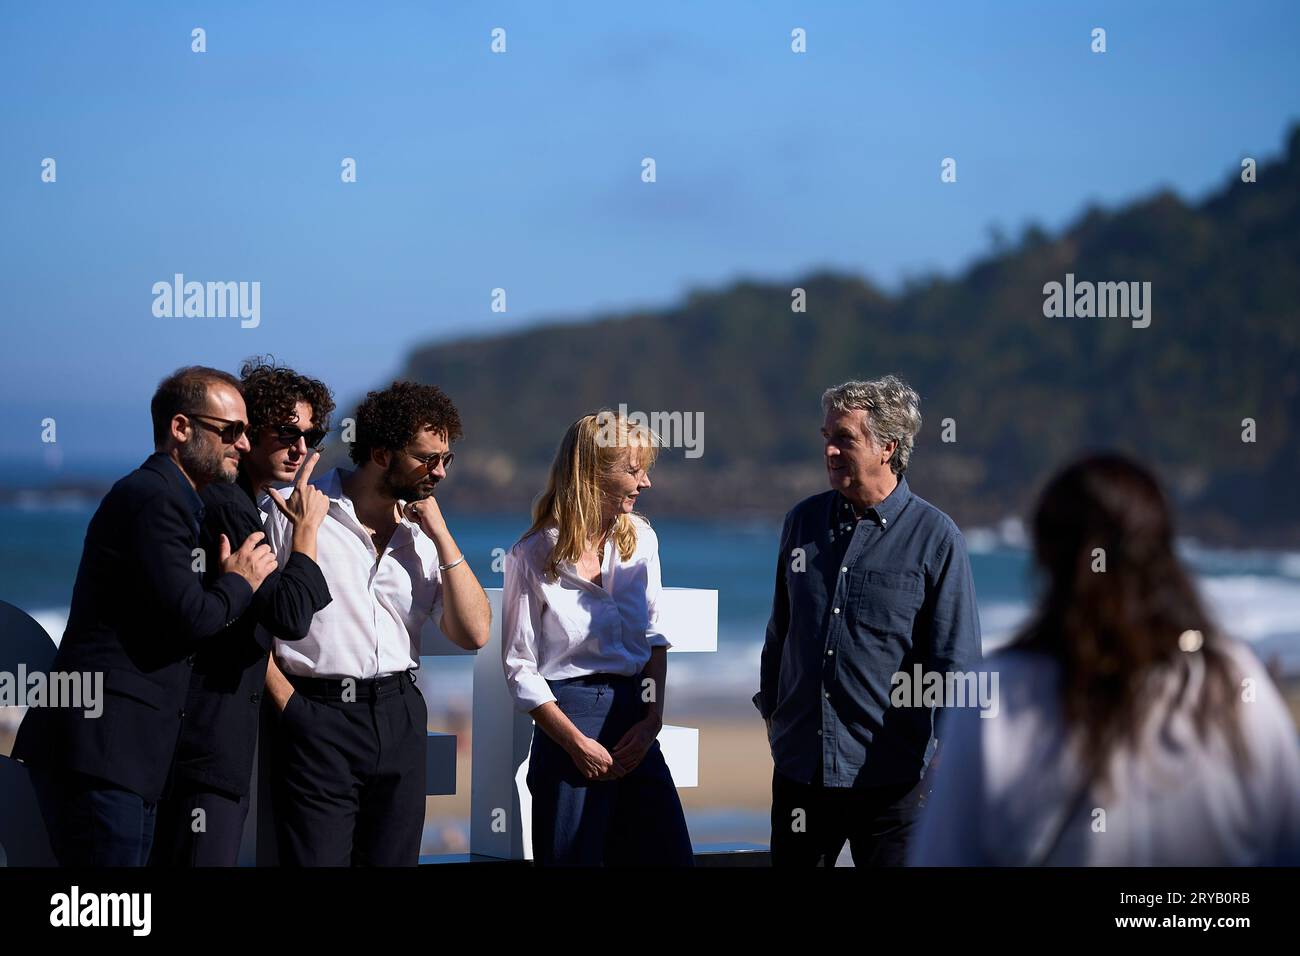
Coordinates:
[305,471]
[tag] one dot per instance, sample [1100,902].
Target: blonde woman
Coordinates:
[584,657]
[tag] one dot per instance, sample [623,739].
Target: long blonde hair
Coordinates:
[590,451]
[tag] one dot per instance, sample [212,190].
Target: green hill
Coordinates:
[1026,392]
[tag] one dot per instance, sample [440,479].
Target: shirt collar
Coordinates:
[163,464]
[883,514]
[331,485]
[610,562]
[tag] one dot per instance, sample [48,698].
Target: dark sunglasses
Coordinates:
[232,431]
[430,462]
[288,435]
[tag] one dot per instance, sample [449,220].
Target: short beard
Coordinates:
[203,462]
[398,491]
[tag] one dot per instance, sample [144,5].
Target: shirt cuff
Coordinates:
[531,691]
[263,638]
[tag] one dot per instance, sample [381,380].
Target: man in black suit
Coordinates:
[140,610]
[201,818]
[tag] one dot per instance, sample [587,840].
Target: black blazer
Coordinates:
[139,613]
[221,713]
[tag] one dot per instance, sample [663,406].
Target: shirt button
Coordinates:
[819,733]
[883,522]
[830,653]
[837,610]
[252,698]
[828,694]
[844,570]
[180,714]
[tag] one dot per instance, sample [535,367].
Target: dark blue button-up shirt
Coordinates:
[858,600]
[192,497]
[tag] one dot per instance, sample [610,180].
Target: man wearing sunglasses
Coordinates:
[201,820]
[349,759]
[139,614]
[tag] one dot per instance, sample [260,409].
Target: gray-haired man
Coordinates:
[871,581]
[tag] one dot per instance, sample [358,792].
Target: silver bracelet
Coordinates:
[448,567]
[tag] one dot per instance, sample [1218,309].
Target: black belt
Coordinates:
[352,688]
[588,679]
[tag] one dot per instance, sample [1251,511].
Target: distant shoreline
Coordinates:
[1005,532]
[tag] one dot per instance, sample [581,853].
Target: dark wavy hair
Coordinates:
[1112,631]
[389,419]
[183,391]
[272,392]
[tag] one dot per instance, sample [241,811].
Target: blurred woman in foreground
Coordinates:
[1129,730]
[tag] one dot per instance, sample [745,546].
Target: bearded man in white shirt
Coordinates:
[349,757]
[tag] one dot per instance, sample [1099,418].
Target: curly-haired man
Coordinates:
[349,759]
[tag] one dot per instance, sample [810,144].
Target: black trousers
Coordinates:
[810,822]
[92,822]
[349,775]
[199,826]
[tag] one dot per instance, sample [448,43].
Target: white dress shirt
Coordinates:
[1007,786]
[572,627]
[380,602]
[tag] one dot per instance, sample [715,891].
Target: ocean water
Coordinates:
[1255,595]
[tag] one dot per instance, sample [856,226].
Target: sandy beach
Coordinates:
[730,804]
[735,768]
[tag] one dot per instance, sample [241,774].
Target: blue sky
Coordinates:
[522,170]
